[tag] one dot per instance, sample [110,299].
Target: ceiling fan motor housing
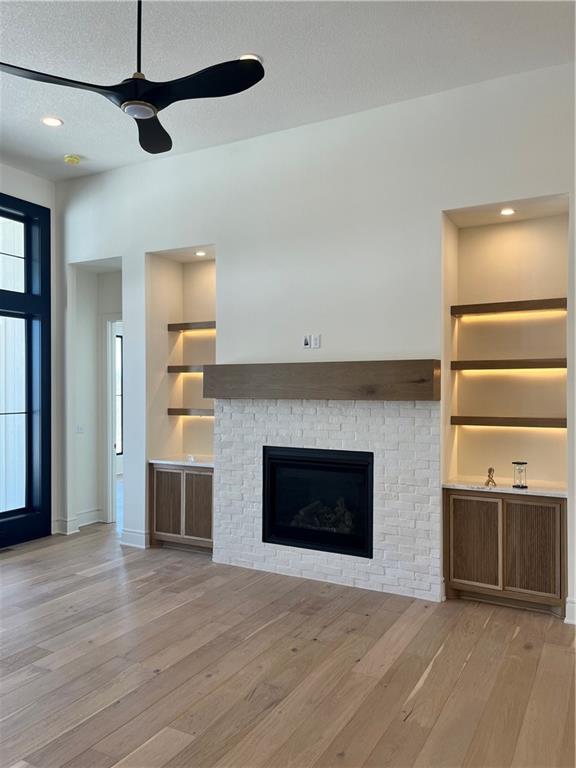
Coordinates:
[139,110]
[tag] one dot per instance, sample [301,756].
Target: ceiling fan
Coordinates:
[142,99]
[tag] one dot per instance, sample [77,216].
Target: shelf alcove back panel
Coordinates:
[513,260]
[527,335]
[543,449]
[512,393]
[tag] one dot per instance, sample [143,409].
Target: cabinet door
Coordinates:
[475,541]
[198,505]
[168,501]
[532,547]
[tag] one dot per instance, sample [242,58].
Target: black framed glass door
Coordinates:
[25,461]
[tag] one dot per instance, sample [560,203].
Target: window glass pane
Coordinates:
[11,273]
[118,440]
[12,416]
[12,461]
[12,364]
[12,237]
[118,365]
[11,255]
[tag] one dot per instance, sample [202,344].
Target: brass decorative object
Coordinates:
[490,482]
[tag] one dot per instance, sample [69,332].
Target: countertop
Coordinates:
[532,490]
[182,461]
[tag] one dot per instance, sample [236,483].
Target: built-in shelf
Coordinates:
[489,365]
[507,421]
[203,326]
[532,305]
[185,368]
[190,412]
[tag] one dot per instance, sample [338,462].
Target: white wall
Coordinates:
[332,228]
[164,306]
[82,401]
[42,192]
[93,299]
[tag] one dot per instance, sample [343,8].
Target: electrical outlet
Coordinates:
[316,340]
[307,342]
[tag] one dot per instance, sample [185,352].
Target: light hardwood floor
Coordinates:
[142,659]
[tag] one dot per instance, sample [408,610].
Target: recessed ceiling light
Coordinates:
[200,253]
[72,159]
[52,122]
[252,56]
[507,212]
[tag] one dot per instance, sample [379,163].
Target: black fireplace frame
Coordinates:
[326,542]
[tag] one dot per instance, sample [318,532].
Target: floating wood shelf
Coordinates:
[533,305]
[207,324]
[489,365]
[185,368]
[190,412]
[354,380]
[507,421]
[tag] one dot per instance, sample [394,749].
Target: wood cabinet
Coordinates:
[181,505]
[505,548]
[473,520]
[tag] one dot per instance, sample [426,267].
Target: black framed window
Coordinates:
[25,462]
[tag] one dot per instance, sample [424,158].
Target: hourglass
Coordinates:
[520,476]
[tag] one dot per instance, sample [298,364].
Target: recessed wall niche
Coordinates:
[506,362]
[181,321]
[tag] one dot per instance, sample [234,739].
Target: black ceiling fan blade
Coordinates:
[220,80]
[153,136]
[43,77]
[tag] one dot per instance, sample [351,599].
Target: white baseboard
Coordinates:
[138,539]
[570,612]
[68,526]
[65,527]
[90,516]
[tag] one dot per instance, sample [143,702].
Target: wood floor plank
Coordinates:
[287,664]
[567,750]
[162,659]
[258,746]
[356,740]
[47,705]
[496,735]
[541,734]
[408,731]
[157,751]
[22,742]
[175,687]
[454,729]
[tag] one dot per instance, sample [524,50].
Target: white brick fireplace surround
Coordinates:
[405,440]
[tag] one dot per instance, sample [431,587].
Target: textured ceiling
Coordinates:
[322,59]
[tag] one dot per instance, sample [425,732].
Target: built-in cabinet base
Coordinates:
[505,548]
[181,506]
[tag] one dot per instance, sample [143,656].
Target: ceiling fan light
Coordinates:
[52,122]
[139,110]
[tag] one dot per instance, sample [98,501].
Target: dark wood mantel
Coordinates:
[357,380]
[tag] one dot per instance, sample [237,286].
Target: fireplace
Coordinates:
[318,499]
